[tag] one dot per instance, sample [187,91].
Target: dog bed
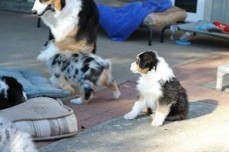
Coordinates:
[34,84]
[44,118]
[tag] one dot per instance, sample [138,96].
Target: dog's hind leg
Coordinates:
[86,93]
[106,81]
[114,87]
[181,116]
[178,112]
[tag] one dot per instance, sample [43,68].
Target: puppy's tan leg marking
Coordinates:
[161,113]
[138,107]
[62,83]
[69,88]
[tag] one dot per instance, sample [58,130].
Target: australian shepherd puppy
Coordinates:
[158,90]
[73,25]
[11,92]
[84,71]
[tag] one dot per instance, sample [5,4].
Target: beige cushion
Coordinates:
[170,16]
[44,118]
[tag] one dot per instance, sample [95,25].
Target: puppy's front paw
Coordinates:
[116,94]
[77,101]
[156,123]
[129,116]
[159,119]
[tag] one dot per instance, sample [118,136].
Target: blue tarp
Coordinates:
[121,22]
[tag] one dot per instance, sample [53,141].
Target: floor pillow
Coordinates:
[168,17]
[33,83]
[44,118]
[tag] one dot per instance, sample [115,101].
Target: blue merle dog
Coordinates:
[84,71]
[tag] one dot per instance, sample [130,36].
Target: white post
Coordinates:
[219,81]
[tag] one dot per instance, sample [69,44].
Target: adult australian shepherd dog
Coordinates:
[158,89]
[73,25]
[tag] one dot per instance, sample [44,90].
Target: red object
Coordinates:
[223,27]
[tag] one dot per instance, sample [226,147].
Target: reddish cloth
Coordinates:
[222,26]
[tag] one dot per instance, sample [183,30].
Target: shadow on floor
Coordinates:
[201,108]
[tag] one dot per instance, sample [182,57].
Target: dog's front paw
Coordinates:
[77,101]
[129,116]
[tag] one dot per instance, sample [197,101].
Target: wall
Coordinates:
[220,10]
[217,10]
[16,5]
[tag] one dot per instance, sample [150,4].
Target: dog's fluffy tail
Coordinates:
[176,117]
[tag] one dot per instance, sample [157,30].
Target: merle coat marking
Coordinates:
[84,70]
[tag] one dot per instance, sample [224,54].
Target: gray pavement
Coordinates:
[205,131]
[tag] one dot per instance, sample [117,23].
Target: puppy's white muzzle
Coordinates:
[133,67]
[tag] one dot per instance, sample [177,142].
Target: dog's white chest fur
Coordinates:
[150,88]
[63,22]
[63,27]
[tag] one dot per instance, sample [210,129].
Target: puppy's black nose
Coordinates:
[34,12]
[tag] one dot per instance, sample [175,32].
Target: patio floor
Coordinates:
[193,65]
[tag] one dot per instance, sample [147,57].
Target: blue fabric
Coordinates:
[34,85]
[121,22]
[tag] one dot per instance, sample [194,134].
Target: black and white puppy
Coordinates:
[11,92]
[83,70]
[158,90]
